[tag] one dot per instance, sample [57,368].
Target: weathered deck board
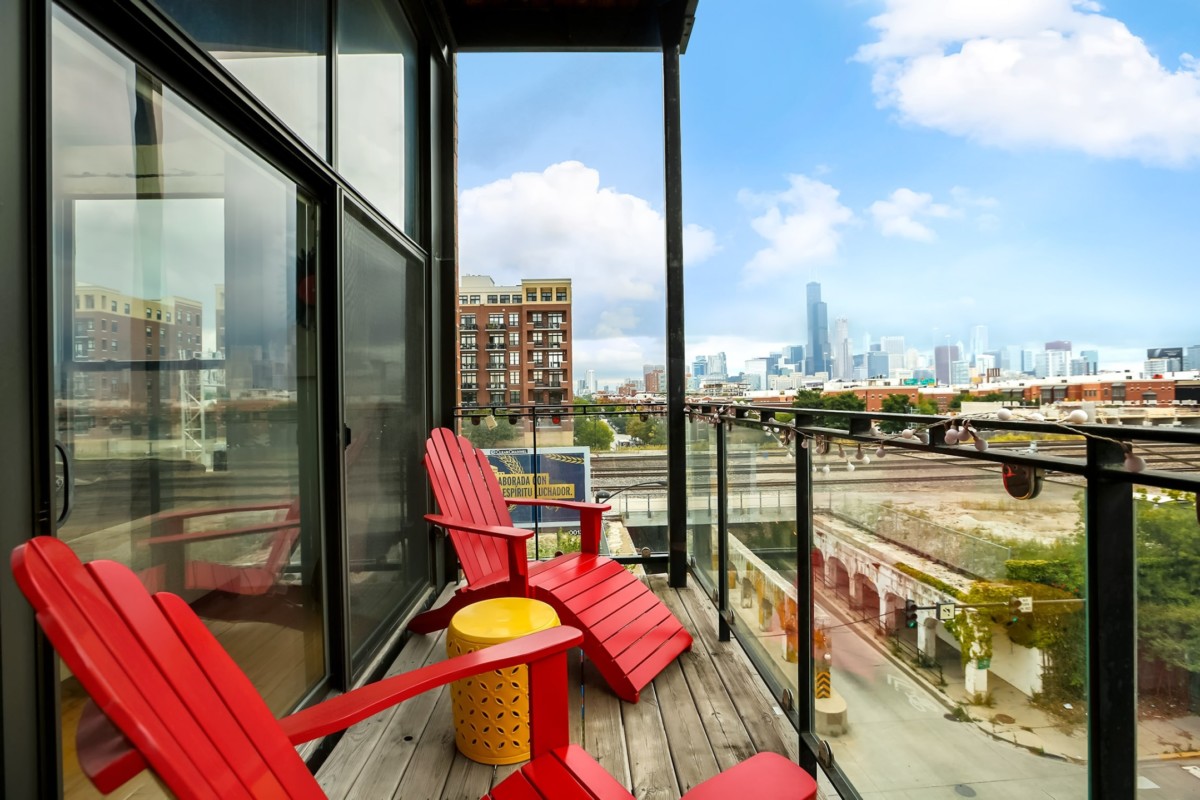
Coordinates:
[704,713]
[384,732]
[755,707]
[728,737]
[603,730]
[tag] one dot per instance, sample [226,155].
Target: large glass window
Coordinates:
[155,206]
[385,413]
[377,107]
[275,47]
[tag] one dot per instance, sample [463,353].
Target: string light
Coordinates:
[951,435]
[1133,462]
[1077,417]
[880,452]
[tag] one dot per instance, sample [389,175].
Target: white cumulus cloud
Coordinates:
[898,215]
[803,225]
[1047,73]
[562,223]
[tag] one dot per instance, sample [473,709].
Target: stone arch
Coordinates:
[868,597]
[894,604]
[818,567]
[837,577]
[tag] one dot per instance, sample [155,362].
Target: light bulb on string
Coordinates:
[923,437]
[907,433]
[1076,417]
[858,453]
[1037,416]
[1004,414]
[880,452]
[825,469]
[1133,462]
[951,435]
[849,466]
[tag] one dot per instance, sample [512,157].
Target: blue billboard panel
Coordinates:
[550,473]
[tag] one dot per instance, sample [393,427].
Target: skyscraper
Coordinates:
[943,356]
[817,358]
[979,341]
[845,357]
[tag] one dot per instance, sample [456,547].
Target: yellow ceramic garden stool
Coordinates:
[491,711]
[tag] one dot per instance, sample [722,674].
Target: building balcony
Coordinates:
[468,326]
[494,346]
[496,326]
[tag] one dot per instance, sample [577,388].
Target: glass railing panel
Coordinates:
[613,454]
[702,469]
[950,634]
[761,507]
[1168,629]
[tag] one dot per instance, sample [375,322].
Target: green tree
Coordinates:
[483,436]
[903,404]
[650,431]
[1168,560]
[844,401]
[619,422]
[593,432]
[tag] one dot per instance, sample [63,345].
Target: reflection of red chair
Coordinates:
[173,569]
[190,714]
[629,633]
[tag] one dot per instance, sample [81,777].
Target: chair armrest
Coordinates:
[499,531]
[202,536]
[341,712]
[579,505]
[589,518]
[190,513]
[110,760]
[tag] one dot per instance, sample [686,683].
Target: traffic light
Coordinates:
[910,613]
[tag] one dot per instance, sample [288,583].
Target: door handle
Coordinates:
[67,484]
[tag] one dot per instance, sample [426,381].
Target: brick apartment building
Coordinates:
[514,342]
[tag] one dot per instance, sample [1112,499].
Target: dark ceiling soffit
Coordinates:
[557,28]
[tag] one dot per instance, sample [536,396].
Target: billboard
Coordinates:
[551,473]
[1164,352]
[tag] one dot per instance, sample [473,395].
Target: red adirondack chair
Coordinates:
[191,715]
[175,570]
[628,632]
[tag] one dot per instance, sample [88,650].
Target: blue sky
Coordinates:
[1029,165]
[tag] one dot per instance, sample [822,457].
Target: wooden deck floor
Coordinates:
[706,712]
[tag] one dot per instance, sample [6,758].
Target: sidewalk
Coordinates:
[1011,717]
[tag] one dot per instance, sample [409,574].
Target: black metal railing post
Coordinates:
[805,621]
[1111,626]
[722,576]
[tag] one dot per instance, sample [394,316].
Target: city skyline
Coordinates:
[922,213]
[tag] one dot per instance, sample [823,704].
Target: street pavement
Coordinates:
[901,745]
[904,745]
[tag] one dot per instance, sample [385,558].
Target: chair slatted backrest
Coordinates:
[283,542]
[466,488]
[161,677]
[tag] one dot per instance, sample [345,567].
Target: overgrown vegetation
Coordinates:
[844,401]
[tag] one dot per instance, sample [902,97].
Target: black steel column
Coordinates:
[29,738]
[1111,627]
[676,365]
